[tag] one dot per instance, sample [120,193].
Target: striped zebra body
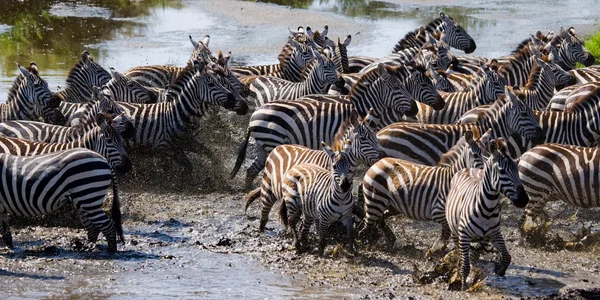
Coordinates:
[364,147]
[319,195]
[455,35]
[425,143]
[473,205]
[564,99]
[157,124]
[461,81]
[486,89]
[397,186]
[322,73]
[292,60]
[308,122]
[28,96]
[81,79]
[357,63]
[40,184]
[103,139]
[553,172]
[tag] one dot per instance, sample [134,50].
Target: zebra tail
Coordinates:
[115,211]
[241,156]
[283,215]
[251,197]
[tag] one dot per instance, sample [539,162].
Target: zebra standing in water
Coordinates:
[41,184]
[551,172]
[364,147]
[425,143]
[81,79]
[388,90]
[103,139]
[473,204]
[321,74]
[319,195]
[395,186]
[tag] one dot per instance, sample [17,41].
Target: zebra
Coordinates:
[157,124]
[396,186]
[322,73]
[544,77]
[425,143]
[552,172]
[40,184]
[319,195]
[387,90]
[28,96]
[473,204]
[80,80]
[455,35]
[432,55]
[563,99]
[103,139]
[486,89]
[364,147]
[292,60]
[571,49]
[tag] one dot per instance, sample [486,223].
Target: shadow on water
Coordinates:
[30,276]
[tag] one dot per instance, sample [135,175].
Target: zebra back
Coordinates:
[81,79]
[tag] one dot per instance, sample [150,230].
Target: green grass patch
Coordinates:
[592,43]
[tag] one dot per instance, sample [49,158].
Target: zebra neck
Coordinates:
[568,62]
[15,109]
[489,194]
[73,94]
[367,95]
[516,70]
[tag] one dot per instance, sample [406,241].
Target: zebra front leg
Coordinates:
[92,231]
[441,243]
[257,165]
[499,244]
[304,230]
[464,244]
[322,230]
[348,222]
[6,235]
[387,231]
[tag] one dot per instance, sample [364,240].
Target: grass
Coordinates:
[592,43]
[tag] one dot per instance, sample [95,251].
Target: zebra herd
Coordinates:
[444,136]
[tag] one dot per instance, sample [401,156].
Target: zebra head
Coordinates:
[341,167]
[521,119]
[206,88]
[33,93]
[327,69]
[392,91]
[296,54]
[87,74]
[126,90]
[554,75]
[222,69]
[433,55]
[365,145]
[421,87]
[440,80]
[201,49]
[107,105]
[572,49]
[456,36]
[489,85]
[504,174]
[110,145]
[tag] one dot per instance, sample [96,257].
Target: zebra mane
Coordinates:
[583,102]
[523,44]
[534,77]
[339,139]
[368,78]
[453,155]
[518,57]
[179,81]
[286,53]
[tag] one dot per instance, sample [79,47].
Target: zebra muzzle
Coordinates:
[125,165]
[522,198]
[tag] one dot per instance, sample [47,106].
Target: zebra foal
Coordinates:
[473,204]
[41,184]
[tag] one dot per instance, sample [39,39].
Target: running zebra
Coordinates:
[364,147]
[38,185]
[425,143]
[157,124]
[28,96]
[455,35]
[388,90]
[103,139]
[487,87]
[80,80]
[319,195]
[553,172]
[473,204]
[393,186]
[321,74]
[292,60]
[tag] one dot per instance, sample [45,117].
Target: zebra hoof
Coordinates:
[500,270]
[7,239]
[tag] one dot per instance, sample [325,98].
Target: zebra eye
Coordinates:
[211,84]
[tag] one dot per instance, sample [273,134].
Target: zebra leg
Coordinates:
[464,244]
[95,219]
[441,243]
[6,235]
[322,231]
[304,230]
[387,231]
[257,165]
[348,222]
[267,204]
[499,244]
[92,231]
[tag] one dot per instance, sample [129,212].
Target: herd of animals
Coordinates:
[444,136]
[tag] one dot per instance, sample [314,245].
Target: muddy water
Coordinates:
[211,249]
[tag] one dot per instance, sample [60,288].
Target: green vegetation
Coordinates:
[592,43]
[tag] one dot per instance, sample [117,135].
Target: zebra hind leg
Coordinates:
[322,233]
[441,244]
[6,234]
[100,222]
[257,165]
[464,246]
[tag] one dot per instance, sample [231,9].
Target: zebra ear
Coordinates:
[206,40]
[25,72]
[383,72]
[33,69]
[493,147]
[469,136]
[328,150]
[194,43]
[326,30]
[540,62]
[101,120]
[486,137]
[347,147]
[535,51]
[508,91]
[347,40]
[354,118]
[96,91]
[85,57]
[572,31]
[226,58]
[116,75]
[501,145]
